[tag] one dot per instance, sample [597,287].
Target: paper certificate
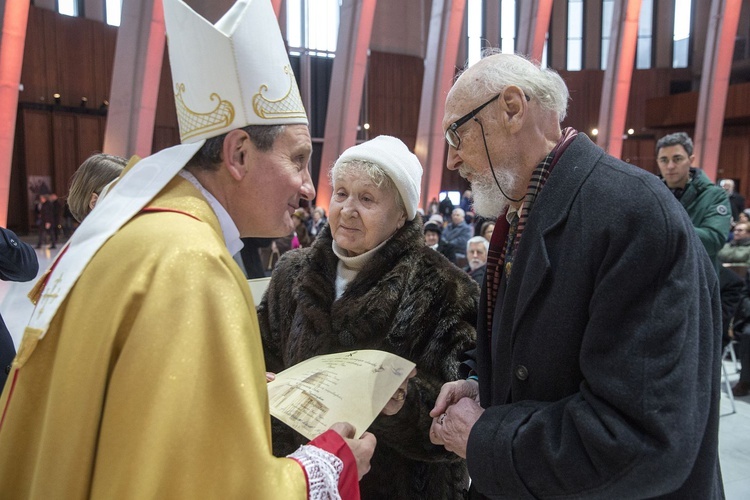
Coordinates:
[349,387]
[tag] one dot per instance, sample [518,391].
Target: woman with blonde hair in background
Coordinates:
[87,183]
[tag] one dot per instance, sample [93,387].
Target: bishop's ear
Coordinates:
[236,153]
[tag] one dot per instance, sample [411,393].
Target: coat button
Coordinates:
[521,372]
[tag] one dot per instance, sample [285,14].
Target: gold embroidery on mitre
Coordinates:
[193,123]
[289,106]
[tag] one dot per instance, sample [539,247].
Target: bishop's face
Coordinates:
[279,178]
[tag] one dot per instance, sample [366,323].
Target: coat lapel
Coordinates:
[532,264]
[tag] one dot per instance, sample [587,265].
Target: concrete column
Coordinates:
[700,27]
[664,32]
[532,27]
[279,8]
[347,82]
[592,35]
[558,36]
[492,24]
[613,109]
[135,79]
[14,22]
[446,25]
[44,4]
[94,9]
[712,98]
[276,7]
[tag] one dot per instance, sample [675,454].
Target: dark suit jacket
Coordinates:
[601,376]
[18,262]
[478,274]
[446,250]
[737,202]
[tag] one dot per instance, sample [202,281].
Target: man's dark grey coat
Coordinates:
[601,376]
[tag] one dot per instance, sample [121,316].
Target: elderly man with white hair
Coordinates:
[587,381]
[476,254]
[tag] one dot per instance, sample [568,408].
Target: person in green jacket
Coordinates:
[707,204]
[737,251]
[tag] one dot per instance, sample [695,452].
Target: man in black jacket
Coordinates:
[18,262]
[596,372]
[432,238]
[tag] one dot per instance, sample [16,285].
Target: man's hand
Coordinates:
[362,448]
[452,392]
[452,428]
[398,399]
[270,377]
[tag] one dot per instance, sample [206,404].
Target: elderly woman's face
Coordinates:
[362,215]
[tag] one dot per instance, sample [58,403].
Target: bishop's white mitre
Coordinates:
[231,74]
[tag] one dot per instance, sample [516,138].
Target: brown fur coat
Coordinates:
[408,300]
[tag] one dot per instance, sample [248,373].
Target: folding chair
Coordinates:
[729,354]
[728,387]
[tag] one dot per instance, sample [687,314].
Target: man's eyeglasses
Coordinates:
[451,134]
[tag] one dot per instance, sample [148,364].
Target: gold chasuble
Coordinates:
[150,380]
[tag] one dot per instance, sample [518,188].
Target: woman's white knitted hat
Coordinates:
[400,164]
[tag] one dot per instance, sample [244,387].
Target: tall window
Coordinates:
[508,26]
[114,10]
[312,33]
[474,29]
[68,7]
[607,12]
[575,35]
[313,26]
[681,39]
[645,29]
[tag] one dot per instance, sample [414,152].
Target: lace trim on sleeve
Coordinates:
[323,470]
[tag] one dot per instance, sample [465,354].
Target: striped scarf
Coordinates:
[506,236]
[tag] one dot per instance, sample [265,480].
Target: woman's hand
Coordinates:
[398,399]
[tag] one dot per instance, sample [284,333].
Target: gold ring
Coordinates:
[400,395]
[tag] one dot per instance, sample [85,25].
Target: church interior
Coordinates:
[86,76]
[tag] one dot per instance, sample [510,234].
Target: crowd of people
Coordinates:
[550,359]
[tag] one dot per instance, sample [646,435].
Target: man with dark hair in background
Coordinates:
[706,203]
